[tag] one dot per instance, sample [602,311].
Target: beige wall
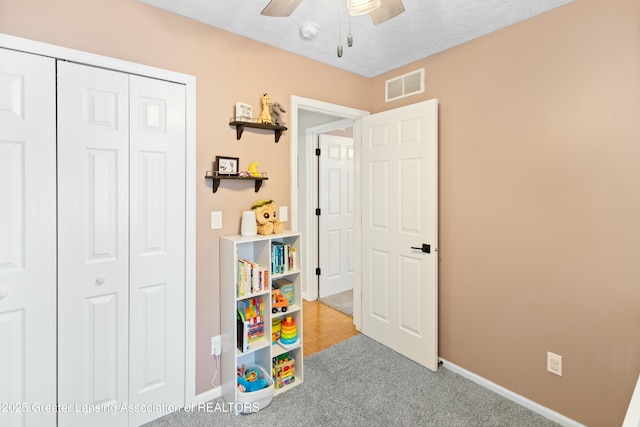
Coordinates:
[539,185]
[540,205]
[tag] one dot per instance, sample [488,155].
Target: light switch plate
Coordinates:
[216,220]
[284,213]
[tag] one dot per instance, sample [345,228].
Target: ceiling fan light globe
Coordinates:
[360,7]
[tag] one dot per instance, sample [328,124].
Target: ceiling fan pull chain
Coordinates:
[349,36]
[339,29]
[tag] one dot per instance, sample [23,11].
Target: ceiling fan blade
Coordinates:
[388,9]
[280,7]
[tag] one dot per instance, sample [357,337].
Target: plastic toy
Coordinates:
[253,169]
[266,218]
[279,303]
[265,116]
[288,332]
[249,379]
[283,370]
[276,110]
[276,325]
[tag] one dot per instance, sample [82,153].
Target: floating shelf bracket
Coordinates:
[241,125]
[216,180]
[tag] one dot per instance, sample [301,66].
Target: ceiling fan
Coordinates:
[384,9]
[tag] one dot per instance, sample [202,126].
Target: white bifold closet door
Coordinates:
[121,246]
[27,239]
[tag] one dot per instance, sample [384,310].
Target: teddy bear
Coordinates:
[266,217]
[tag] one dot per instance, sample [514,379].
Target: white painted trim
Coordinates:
[190,255]
[347,113]
[514,397]
[72,55]
[44,49]
[293,164]
[632,417]
[208,396]
[357,273]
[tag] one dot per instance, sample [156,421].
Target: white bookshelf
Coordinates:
[257,249]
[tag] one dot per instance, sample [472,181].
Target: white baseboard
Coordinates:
[632,418]
[520,400]
[207,396]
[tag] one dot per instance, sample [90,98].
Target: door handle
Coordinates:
[425,248]
[101,279]
[4,293]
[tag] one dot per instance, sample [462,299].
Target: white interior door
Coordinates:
[157,245]
[336,222]
[27,238]
[93,243]
[400,212]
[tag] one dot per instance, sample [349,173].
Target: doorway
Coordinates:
[309,119]
[395,268]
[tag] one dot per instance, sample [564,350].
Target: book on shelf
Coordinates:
[283,257]
[285,288]
[250,322]
[251,278]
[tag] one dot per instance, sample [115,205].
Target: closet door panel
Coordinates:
[157,269]
[93,244]
[27,238]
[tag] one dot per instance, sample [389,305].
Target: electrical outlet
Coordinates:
[554,363]
[216,346]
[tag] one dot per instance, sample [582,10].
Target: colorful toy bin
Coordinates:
[253,377]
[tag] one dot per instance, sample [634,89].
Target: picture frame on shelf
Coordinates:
[227,166]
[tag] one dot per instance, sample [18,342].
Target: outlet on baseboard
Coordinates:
[554,363]
[216,346]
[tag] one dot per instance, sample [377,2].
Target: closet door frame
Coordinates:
[38,48]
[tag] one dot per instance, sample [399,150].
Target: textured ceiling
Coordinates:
[425,28]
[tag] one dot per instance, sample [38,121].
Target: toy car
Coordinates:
[280,303]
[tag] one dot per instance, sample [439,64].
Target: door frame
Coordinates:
[344,115]
[58,52]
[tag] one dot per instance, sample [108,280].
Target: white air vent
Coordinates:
[405,85]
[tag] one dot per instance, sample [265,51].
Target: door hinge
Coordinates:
[318,271]
[317,211]
[317,151]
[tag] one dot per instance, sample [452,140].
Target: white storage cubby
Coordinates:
[259,250]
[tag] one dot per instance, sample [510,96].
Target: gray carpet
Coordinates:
[362,383]
[343,302]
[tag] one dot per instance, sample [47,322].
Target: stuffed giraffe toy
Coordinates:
[265,116]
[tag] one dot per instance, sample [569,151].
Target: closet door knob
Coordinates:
[101,279]
[4,293]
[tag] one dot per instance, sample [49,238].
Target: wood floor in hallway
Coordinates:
[324,326]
